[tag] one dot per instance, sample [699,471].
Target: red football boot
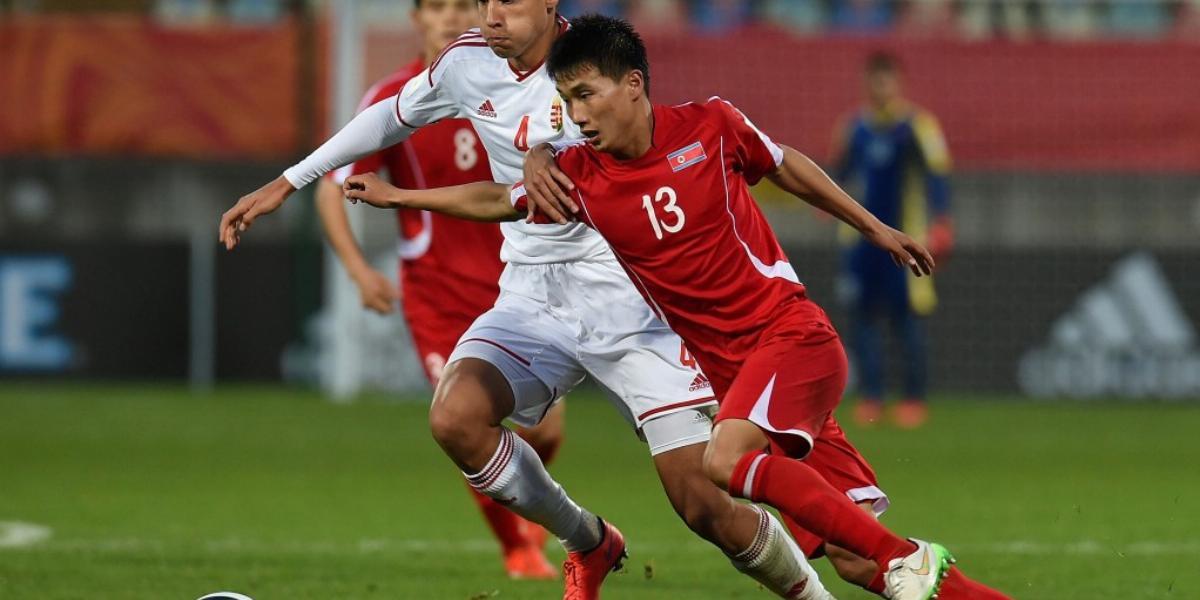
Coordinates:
[585,571]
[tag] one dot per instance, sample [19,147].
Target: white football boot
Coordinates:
[919,575]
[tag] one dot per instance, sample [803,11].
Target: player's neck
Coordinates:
[641,136]
[431,54]
[537,52]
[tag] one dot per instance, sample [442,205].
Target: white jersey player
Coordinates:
[566,310]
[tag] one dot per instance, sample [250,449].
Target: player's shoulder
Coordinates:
[572,154]
[468,47]
[922,118]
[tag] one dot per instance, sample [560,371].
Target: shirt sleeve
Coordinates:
[425,99]
[372,130]
[935,156]
[755,154]
[372,163]
[429,97]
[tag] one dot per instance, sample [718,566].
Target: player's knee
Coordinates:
[719,463]
[851,567]
[458,414]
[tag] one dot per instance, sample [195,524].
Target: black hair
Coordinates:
[610,45]
[882,61]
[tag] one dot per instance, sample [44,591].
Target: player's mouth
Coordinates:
[592,136]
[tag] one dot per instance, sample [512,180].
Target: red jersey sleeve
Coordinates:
[754,153]
[520,201]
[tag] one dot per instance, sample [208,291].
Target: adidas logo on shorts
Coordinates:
[699,383]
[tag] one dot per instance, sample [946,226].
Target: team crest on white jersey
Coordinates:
[486,109]
[556,114]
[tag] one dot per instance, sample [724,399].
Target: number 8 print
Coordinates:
[660,225]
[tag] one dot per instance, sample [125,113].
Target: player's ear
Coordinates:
[636,83]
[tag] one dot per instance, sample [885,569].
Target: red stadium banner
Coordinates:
[1067,106]
[83,85]
[123,85]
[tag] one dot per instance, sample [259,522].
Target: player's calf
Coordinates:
[755,542]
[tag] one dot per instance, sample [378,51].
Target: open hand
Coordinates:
[905,252]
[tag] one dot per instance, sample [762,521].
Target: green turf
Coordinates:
[155,494]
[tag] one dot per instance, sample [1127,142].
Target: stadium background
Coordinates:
[1066,325]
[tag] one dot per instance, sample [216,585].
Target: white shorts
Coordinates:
[555,323]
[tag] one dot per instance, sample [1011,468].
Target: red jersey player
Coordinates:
[668,189]
[450,268]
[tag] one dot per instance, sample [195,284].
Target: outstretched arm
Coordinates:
[373,129]
[482,201]
[804,179]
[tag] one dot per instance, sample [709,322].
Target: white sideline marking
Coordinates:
[28,534]
[15,534]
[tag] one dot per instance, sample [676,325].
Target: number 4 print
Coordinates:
[521,142]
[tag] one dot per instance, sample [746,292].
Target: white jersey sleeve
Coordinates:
[426,98]
[370,131]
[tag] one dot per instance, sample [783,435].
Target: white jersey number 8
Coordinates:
[465,155]
[660,225]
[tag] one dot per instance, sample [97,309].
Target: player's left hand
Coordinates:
[371,189]
[548,189]
[904,250]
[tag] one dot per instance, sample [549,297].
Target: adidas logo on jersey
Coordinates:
[699,383]
[487,110]
[1127,336]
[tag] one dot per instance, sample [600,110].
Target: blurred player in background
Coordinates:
[897,151]
[450,268]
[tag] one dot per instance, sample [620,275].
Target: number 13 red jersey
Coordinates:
[685,227]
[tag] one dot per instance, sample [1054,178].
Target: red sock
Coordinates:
[505,524]
[957,585]
[802,494]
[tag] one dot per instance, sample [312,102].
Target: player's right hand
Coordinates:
[378,293]
[547,188]
[264,200]
[371,189]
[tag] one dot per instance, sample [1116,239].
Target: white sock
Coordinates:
[775,561]
[516,478]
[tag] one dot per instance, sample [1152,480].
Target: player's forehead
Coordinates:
[581,76]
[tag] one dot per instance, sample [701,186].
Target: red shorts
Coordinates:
[788,383]
[435,334]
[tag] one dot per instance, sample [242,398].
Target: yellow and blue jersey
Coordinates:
[900,158]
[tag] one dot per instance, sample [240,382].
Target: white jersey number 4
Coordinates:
[660,225]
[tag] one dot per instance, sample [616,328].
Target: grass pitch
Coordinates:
[141,492]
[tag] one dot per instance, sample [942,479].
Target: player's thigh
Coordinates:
[788,388]
[645,366]
[532,351]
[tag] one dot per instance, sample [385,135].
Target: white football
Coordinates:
[225,596]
